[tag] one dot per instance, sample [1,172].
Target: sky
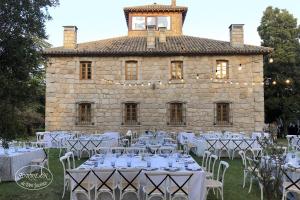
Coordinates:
[101,19]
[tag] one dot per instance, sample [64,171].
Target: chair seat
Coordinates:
[148,189]
[172,189]
[292,188]
[210,183]
[209,174]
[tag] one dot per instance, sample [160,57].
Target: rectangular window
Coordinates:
[151,21]
[176,113]
[138,23]
[131,114]
[164,21]
[223,115]
[84,114]
[222,69]
[131,70]
[176,70]
[85,70]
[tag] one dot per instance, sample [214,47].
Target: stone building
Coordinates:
[155,77]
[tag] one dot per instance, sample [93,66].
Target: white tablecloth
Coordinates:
[217,144]
[56,139]
[197,182]
[11,163]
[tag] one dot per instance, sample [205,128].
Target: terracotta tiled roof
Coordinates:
[175,45]
[156,8]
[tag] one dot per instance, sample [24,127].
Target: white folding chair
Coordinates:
[118,150]
[81,182]
[40,136]
[43,162]
[129,182]
[105,182]
[155,185]
[135,150]
[166,150]
[223,145]
[254,173]
[219,182]
[245,167]
[179,185]
[211,166]
[205,157]
[63,160]
[71,160]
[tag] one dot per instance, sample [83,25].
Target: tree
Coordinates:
[279,30]
[22,30]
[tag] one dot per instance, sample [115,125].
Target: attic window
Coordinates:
[138,23]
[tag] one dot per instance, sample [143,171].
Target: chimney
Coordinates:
[162,34]
[236,35]
[173,3]
[70,37]
[151,37]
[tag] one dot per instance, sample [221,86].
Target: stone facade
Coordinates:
[65,89]
[199,90]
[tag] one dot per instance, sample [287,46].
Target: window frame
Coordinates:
[89,118]
[176,70]
[229,114]
[221,70]
[87,66]
[146,22]
[127,77]
[170,121]
[131,121]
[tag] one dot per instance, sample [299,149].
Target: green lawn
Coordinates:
[233,184]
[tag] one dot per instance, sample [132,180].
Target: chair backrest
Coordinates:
[40,136]
[71,160]
[180,181]
[211,163]
[80,179]
[223,166]
[243,157]
[63,160]
[205,158]
[129,179]
[167,150]
[104,179]
[252,164]
[120,150]
[103,150]
[157,180]
[135,150]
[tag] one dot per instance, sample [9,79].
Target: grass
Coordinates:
[232,191]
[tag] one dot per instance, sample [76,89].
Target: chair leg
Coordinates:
[222,193]
[245,176]
[250,185]
[261,191]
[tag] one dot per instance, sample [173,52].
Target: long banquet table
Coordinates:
[158,163]
[16,159]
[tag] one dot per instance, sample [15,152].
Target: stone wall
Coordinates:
[64,90]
